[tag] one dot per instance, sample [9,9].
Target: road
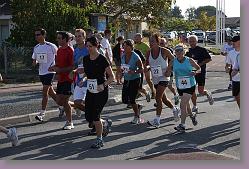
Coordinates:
[218,129]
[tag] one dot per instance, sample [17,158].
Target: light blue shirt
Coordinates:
[132,66]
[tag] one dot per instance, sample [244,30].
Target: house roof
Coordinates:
[232,21]
[5,7]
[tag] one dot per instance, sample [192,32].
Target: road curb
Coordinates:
[49,114]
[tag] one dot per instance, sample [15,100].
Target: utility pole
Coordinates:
[220,23]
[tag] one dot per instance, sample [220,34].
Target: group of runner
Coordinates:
[87,69]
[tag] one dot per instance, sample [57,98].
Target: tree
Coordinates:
[190,13]
[205,22]
[142,9]
[52,15]
[176,12]
[210,10]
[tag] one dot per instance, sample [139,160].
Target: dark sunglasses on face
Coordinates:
[37,34]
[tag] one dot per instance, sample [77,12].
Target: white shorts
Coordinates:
[79,93]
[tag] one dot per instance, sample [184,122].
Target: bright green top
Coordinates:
[143,47]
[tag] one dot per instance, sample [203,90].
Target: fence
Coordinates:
[16,63]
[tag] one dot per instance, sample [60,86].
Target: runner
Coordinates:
[185,82]
[164,43]
[234,59]
[228,46]
[11,135]
[202,57]
[63,67]
[11,132]
[107,46]
[80,52]
[132,68]
[143,47]
[117,52]
[157,58]
[96,67]
[44,54]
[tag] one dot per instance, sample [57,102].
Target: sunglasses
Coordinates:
[37,34]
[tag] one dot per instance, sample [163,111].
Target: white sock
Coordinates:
[42,112]
[158,118]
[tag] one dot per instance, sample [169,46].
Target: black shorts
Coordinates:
[47,79]
[200,79]
[117,61]
[94,104]
[235,88]
[162,83]
[141,81]
[130,91]
[64,88]
[188,91]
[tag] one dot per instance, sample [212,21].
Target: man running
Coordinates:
[202,57]
[44,54]
[143,47]
[63,67]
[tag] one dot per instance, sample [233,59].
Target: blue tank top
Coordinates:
[182,73]
[132,64]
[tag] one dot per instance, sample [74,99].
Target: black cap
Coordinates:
[235,38]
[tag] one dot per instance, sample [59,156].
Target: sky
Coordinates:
[232,7]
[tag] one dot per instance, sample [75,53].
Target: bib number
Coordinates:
[92,85]
[42,57]
[184,82]
[156,71]
[125,68]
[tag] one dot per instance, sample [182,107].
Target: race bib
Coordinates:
[156,71]
[92,85]
[125,68]
[42,58]
[184,82]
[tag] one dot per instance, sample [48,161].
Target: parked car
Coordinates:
[170,35]
[211,37]
[201,36]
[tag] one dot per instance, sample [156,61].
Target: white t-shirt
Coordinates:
[236,65]
[231,59]
[106,45]
[44,54]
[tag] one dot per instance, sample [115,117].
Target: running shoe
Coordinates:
[195,109]
[193,118]
[210,98]
[176,98]
[154,123]
[40,116]
[107,127]
[12,136]
[148,97]
[176,113]
[98,144]
[61,112]
[137,120]
[68,126]
[180,128]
